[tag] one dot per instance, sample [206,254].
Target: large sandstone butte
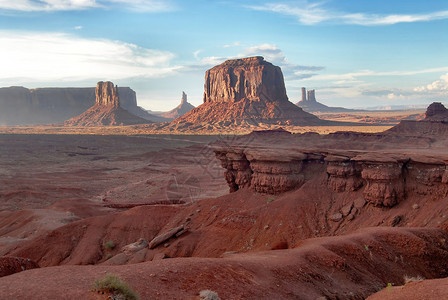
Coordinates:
[106,111]
[247,91]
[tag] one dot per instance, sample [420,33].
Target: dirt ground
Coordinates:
[47,181]
[64,198]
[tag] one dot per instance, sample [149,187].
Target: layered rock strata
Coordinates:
[252,79]
[277,162]
[248,91]
[107,110]
[383,180]
[22,106]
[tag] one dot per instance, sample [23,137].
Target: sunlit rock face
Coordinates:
[250,78]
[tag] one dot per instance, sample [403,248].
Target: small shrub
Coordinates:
[114,285]
[208,295]
[408,279]
[109,245]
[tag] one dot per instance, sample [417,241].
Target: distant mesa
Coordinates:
[246,91]
[180,110]
[106,111]
[310,104]
[22,106]
[434,123]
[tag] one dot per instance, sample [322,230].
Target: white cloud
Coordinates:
[62,57]
[308,14]
[314,13]
[64,5]
[47,5]
[143,5]
[440,85]
[270,52]
[354,76]
[79,27]
[196,53]
[235,44]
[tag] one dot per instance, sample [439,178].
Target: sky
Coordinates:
[354,53]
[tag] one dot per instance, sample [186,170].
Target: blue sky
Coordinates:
[354,53]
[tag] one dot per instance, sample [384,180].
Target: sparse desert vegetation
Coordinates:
[113,285]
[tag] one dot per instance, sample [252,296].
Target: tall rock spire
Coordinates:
[107,94]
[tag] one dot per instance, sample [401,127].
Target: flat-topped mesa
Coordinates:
[250,78]
[107,94]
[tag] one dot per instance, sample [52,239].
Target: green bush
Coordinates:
[112,284]
[109,245]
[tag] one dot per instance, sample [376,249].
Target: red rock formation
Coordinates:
[250,78]
[436,112]
[309,103]
[246,91]
[106,94]
[106,111]
[276,164]
[183,108]
[10,265]
[22,106]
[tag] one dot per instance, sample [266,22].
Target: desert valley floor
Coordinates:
[163,201]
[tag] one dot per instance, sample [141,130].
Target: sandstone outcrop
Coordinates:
[435,123]
[245,92]
[252,79]
[22,106]
[107,110]
[106,94]
[436,111]
[275,163]
[309,104]
[10,265]
[180,110]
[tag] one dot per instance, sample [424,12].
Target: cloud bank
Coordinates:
[270,52]
[315,13]
[60,57]
[66,5]
[440,86]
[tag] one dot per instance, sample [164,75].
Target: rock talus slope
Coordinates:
[246,91]
[22,106]
[107,110]
[183,108]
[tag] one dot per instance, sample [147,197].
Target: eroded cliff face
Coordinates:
[106,94]
[384,178]
[107,110]
[22,106]
[242,93]
[250,78]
